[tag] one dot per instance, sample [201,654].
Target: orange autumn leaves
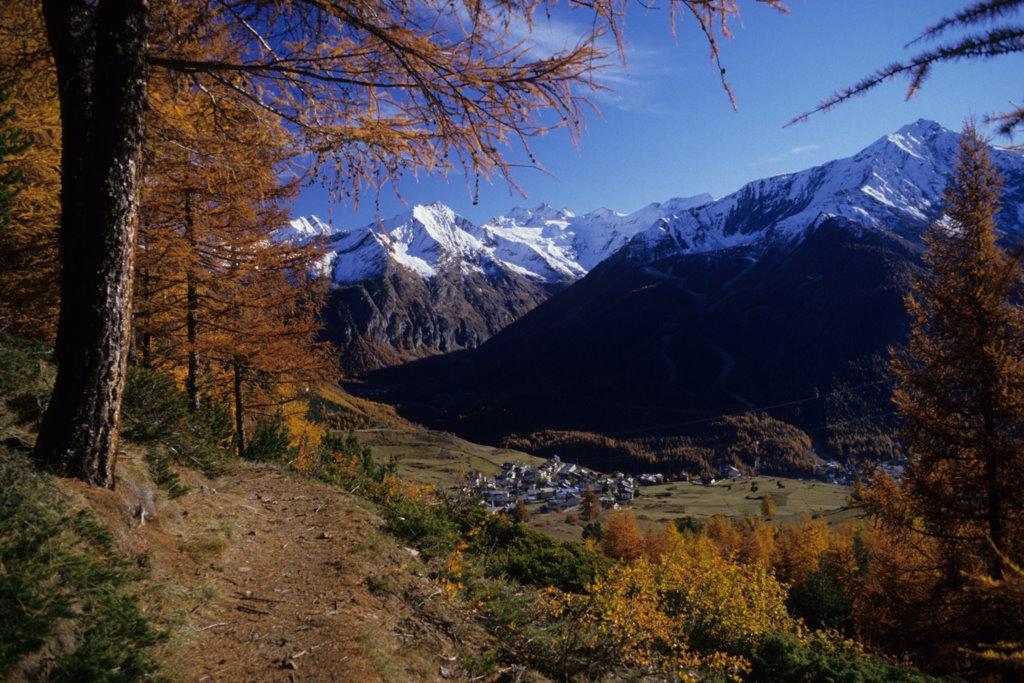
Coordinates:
[28,246]
[680,602]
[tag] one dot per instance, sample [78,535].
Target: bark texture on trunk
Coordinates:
[100,55]
[191,309]
[241,440]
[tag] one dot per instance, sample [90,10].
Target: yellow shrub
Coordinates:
[689,611]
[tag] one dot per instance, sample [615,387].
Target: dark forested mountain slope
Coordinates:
[646,348]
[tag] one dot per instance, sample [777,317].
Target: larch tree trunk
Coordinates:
[993,501]
[191,308]
[99,52]
[240,436]
[146,358]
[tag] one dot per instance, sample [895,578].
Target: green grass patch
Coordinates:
[26,377]
[438,458]
[155,414]
[335,415]
[63,588]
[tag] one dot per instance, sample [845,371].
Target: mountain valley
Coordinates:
[777,298]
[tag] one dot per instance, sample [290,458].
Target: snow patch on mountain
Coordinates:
[304,230]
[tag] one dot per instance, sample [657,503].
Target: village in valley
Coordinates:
[558,486]
[555,485]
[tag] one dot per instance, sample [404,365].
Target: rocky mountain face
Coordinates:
[773,297]
[398,315]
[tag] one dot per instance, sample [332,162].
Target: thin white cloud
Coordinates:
[801,149]
[797,151]
[628,83]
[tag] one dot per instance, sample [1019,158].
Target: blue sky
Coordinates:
[668,129]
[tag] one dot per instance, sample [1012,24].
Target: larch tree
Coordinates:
[520,513]
[268,334]
[219,300]
[590,507]
[206,164]
[182,158]
[99,51]
[957,523]
[28,244]
[621,538]
[960,381]
[371,88]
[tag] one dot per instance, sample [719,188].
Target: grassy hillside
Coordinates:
[438,458]
[341,410]
[246,577]
[442,459]
[250,573]
[795,500]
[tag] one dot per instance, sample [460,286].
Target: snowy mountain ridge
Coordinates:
[895,185]
[543,243]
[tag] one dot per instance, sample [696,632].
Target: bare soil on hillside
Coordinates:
[263,576]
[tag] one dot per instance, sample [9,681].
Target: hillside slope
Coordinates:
[262,575]
[638,349]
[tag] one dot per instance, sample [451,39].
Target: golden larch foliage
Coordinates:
[621,538]
[957,521]
[798,548]
[29,266]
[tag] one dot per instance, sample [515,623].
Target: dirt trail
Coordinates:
[283,579]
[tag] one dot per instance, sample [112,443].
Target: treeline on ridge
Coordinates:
[749,441]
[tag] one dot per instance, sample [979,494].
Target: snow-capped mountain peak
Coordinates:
[543,243]
[919,139]
[303,229]
[559,244]
[894,184]
[426,239]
